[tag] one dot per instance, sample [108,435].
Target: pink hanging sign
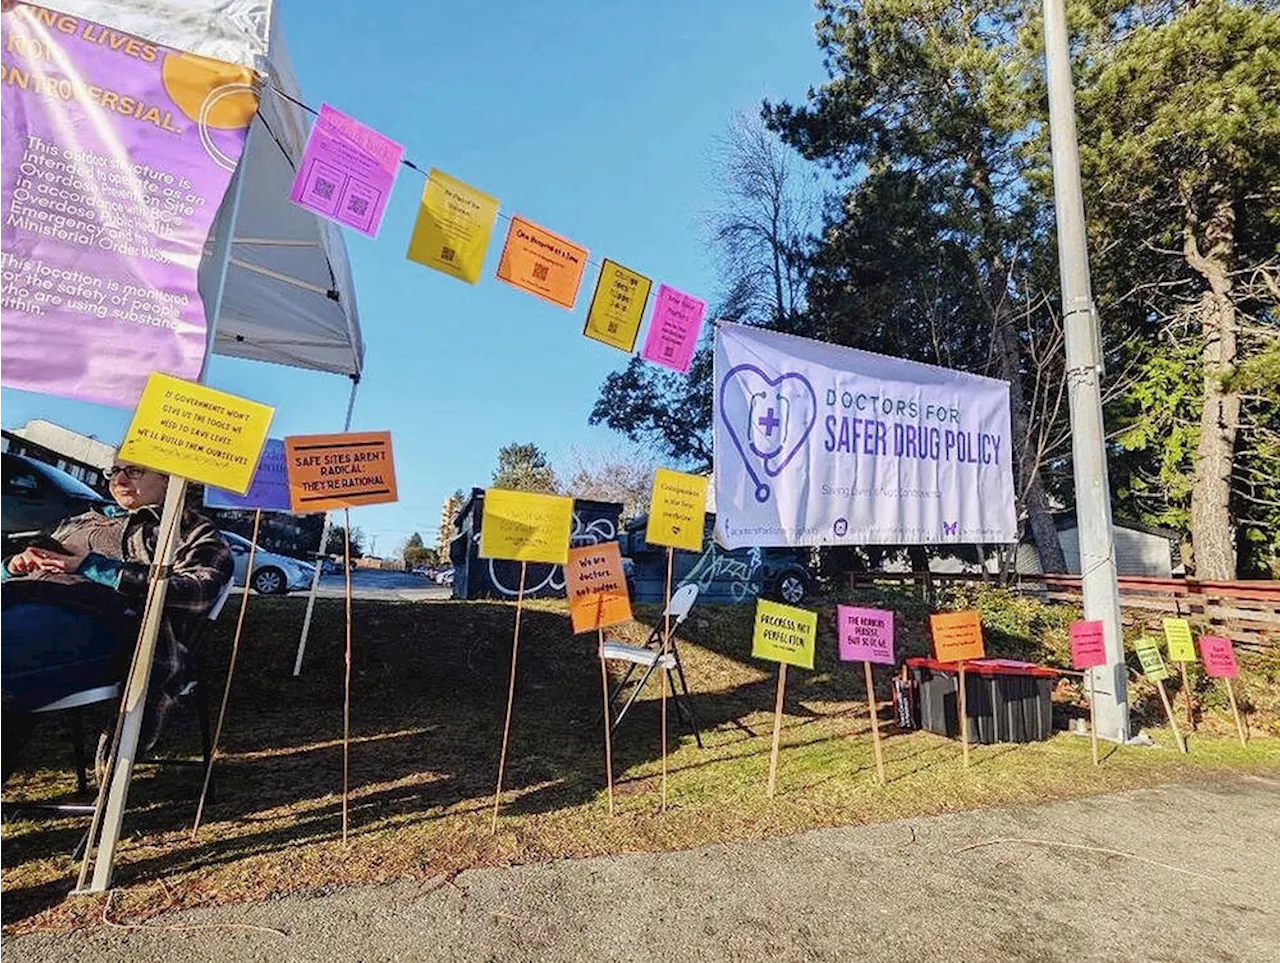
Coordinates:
[673,331]
[347,172]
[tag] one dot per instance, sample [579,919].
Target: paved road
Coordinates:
[1202,883]
[387,586]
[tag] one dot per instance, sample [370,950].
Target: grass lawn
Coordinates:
[429,687]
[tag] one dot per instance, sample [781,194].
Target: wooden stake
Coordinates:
[608,722]
[1093,716]
[346,685]
[1186,688]
[231,668]
[666,642]
[964,717]
[777,728]
[511,695]
[1168,711]
[1235,711]
[875,721]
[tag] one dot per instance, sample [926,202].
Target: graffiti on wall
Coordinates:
[548,579]
[740,574]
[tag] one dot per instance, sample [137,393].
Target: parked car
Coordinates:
[272,574]
[445,577]
[426,571]
[36,496]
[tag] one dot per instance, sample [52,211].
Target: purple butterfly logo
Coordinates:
[950,528]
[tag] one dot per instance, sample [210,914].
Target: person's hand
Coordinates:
[24,563]
[56,563]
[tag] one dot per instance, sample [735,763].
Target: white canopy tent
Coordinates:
[289,297]
[275,278]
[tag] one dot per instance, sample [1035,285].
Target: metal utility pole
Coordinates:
[1084,371]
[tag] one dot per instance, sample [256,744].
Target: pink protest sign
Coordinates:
[1088,647]
[673,332]
[1219,658]
[866,635]
[347,171]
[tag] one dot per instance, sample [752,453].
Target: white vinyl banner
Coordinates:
[817,444]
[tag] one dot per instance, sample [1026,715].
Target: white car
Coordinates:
[272,574]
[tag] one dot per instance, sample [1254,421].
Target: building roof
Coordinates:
[72,445]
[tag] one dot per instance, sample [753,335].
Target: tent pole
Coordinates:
[324,541]
[110,808]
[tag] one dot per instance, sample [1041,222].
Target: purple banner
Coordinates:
[116,154]
[347,171]
[269,490]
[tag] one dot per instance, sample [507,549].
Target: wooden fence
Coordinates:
[1247,612]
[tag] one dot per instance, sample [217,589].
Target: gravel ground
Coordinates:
[1205,888]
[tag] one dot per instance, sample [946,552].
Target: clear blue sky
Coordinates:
[597,121]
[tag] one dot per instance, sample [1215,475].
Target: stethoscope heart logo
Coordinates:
[768,419]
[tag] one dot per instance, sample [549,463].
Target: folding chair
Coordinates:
[649,657]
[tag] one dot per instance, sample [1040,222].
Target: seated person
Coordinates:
[71,615]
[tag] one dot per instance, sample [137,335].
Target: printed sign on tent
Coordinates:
[455,222]
[784,633]
[1219,657]
[957,636]
[617,307]
[347,171]
[597,587]
[1177,637]
[677,510]
[674,328]
[269,490]
[340,471]
[1148,652]
[526,526]
[866,635]
[542,263]
[190,431]
[106,210]
[818,444]
[1088,645]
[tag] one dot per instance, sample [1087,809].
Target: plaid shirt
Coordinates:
[122,546]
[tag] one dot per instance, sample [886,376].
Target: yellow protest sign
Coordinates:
[618,306]
[525,526]
[1177,637]
[784,634]
[1148,652]
[455,222]
[185,429]
[677,509]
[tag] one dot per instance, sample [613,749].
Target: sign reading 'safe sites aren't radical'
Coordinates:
[818,444]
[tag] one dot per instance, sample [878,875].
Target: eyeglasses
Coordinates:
[131,472]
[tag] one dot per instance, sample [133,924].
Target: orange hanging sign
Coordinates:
[542,263]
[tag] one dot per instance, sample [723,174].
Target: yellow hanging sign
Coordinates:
[617,307]
[525,526]
[455,222]
[677,509]
[184,429]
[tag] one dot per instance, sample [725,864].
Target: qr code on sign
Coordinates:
[668,350]
[540,272]
[447,254]
[323,188]
[358,205]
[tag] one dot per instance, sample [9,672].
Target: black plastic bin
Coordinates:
[1006,701]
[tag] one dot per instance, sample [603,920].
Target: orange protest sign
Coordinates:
[597,587]
[340,471]
[542,263]
[957,636]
